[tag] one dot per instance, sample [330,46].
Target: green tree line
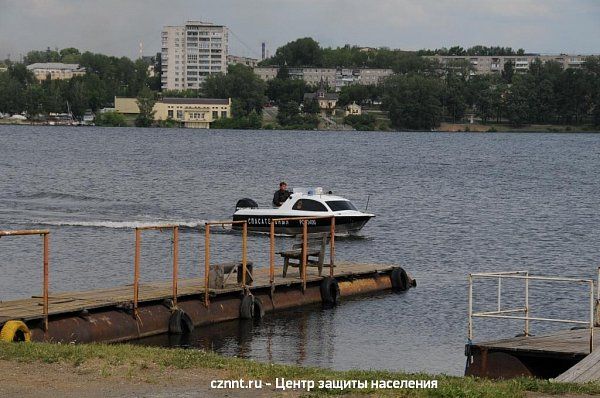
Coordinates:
[307,52]
[546,94]
[420,95]
[478,50]
[106,78]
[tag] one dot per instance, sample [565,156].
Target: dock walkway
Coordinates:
[562,343]
[71,302]
[547,356]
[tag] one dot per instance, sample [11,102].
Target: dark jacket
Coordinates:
[280,197]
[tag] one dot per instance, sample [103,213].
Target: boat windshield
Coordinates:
[339,205]
[308,205]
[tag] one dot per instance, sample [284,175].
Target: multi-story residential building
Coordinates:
[56,70]
[495,64]
[191,52]
[235,59]
[191,112]
[335,77]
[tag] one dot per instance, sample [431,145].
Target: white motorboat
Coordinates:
[303,202]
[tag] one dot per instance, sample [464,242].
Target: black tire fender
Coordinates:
[180,322]
[251,308]
[400,280]
[330,291]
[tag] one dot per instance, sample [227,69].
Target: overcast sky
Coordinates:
[117,26]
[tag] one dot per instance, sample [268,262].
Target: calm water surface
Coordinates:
[446,205]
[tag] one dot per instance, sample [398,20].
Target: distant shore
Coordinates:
[443,128]
[530,128]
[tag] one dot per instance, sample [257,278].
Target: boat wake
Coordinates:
[351,237]
[191,224]
[61,196]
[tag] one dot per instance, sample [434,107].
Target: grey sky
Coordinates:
[117,26]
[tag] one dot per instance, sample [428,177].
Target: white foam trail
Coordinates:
[123,224]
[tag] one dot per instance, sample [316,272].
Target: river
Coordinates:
[447,204]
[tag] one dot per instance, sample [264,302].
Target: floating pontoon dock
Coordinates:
[545,356]
[144,309]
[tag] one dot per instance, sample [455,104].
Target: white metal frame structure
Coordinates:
[510,313]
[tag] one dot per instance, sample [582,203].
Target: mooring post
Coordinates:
[272,256]
[527,303]
[332,247]
[175,263]
[598,284]
[206,262]
[304,252]
[136,271]
[592,316]
[46,292]
[597,300]
[470,309]
[244,252]
[499,293]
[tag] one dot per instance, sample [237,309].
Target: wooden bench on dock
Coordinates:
[315,254]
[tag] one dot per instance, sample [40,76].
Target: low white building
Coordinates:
[353,109]
[235,59]
[56,70]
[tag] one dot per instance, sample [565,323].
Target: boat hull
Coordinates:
[344,225]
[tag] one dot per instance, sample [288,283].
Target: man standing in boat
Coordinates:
[281,195]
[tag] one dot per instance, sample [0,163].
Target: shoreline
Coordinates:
[444,128]
[130,370]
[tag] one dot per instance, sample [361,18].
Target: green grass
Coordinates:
[107,356]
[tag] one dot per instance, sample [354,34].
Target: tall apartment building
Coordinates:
[192,52]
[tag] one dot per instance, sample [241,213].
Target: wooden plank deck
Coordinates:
[68,302]
[586,370]
[568,343]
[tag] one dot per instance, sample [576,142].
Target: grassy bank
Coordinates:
[137,358]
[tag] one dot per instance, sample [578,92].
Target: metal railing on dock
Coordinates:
[137,259]
[207,254]
[46,264]
[174,228]
[508,313]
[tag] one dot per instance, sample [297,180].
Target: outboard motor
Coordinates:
[246,203]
